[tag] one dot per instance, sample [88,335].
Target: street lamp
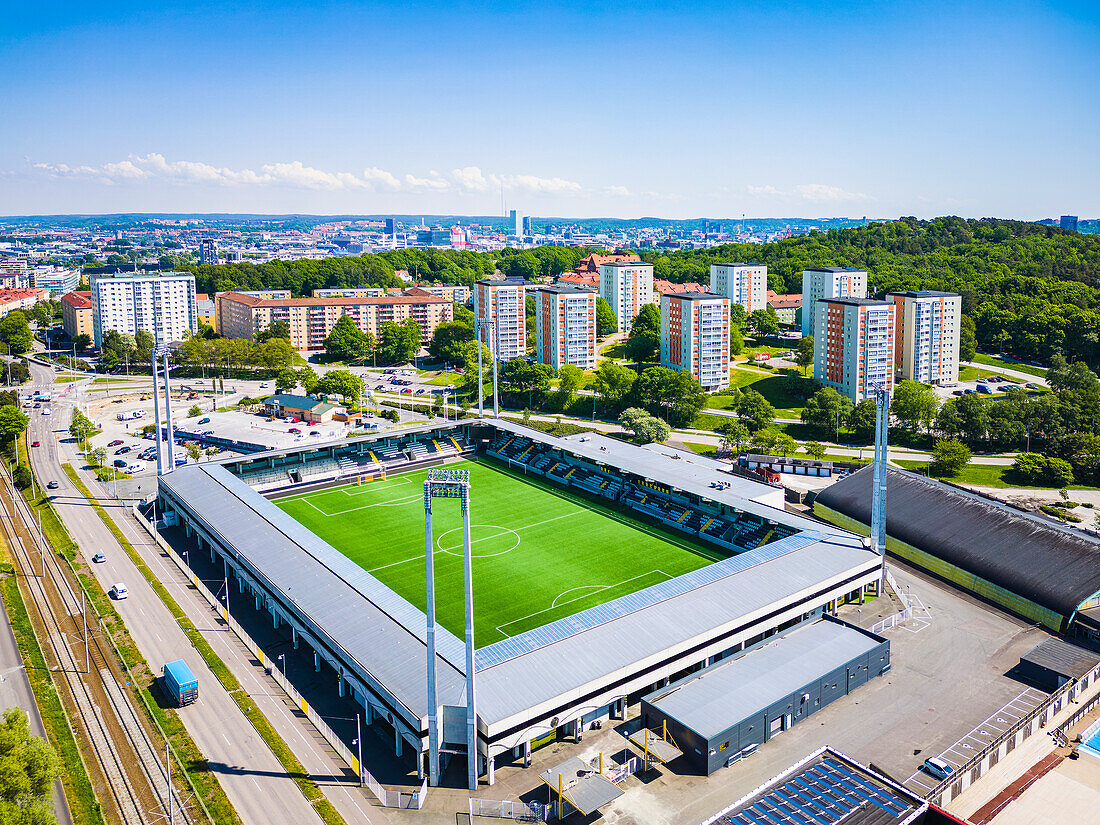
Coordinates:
[282,664]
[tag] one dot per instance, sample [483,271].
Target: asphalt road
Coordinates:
[252,777]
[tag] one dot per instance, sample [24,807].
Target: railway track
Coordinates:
[137,781]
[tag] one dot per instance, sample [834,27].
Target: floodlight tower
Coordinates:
[450,483]
[494,338]
[878,488]
[159,358]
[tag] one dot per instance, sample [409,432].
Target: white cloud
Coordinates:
[766,189]
[473,179]
[617,191]
[531,183]
[822,192]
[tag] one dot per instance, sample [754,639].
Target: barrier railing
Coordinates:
[387,797]
[508,809]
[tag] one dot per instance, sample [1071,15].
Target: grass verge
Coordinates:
[309,788]
[992,361]
[79,793]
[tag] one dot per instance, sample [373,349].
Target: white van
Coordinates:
[135,468]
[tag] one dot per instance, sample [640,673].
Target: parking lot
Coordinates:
[995,383]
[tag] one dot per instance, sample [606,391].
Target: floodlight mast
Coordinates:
[161,353]
[494,341]
[878,488]
[449,483]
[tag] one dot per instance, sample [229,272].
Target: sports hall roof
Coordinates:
[1053,566]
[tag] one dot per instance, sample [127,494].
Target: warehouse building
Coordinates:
[1021,562]
[728,710]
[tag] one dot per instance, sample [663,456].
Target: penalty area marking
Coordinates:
[594,588]
[400,502]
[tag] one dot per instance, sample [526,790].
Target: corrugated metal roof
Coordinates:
[1053,566]
[1062,658]
[643,636]
[374,626]
[713,700]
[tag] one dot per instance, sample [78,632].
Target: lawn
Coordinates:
[540,552]
[974,373]
[984,475]
[772,387]
[993,361]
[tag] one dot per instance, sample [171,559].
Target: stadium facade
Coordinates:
[782,570]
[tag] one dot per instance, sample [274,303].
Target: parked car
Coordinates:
[115,443]
[53,485]
[295,430]
[99,558]
[407,390]
[204,420]
[958,392]
[122,451]
[121,462]
[1032,386]
[314,432]
[118,591]
[939,768]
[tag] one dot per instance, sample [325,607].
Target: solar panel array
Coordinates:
[821,795]
[507,649]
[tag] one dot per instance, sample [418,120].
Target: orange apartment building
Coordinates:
[695,336]
[565,326]
[854,345]
[76,314]
[312,319]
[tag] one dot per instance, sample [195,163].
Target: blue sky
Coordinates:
[572,109]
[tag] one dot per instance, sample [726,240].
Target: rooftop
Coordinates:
[567,289]
[696,296]
[1062,657]
[736,263]
[856,302]
[834,269]
[382,300]
[628,264]
[924,293]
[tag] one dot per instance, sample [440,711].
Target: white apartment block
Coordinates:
[627,286]
[695,336]
[565,326]
[828,282]
[502,301]
[854,346]
[926,336]
[744,284]
[56,280]
[161,303]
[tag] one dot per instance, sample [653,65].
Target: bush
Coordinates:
[1051,510]
[22,477]
[949,456]
[1043,470]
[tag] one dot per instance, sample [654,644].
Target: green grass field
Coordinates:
[540,552]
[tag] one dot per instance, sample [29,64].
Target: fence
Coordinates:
[969,772]
[387,797]
[902,615]
[507,809]
[628,768]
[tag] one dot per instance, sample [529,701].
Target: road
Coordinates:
[252,777]
[15,691]
[1026,377]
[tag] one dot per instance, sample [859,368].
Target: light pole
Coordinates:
[282,664]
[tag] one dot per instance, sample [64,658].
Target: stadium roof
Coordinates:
[1050,565]
[714,699]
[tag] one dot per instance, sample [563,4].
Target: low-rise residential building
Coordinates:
[500,313]
[627,287]
[828,282]
[76,314]
[695,336]
[21,299]
[161,303]
[565,326]
[744,284]
[854,346]
[206,311]
[310,320]
[788,308]
[926,335]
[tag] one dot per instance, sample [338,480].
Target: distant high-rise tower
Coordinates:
[515,220]
[1068,222]
[391,226]
[208,252]
[526,225]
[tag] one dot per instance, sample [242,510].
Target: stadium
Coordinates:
[602,571]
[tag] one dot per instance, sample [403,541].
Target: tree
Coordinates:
[785,445]
[569,380]
[278,329]
[613,381]
[948,422]
[98,456]
[914,404]
[194,412]
[343,383]
[671,394]
[194,450]
[398,343]
[646,428]
[116,348]
[968,341]
[973,416]
[764,322]
[307,377]
[737,340]
[826,409]
[804,353]
[1048,471]
[754,410]
[286,380]
[143,346]
[647,321]
[815,450]
[642,347]
[80,427]
[346,342]
[12,423]
[949,456]
[28,767]
[606,321]
[82,341]
[16,333]
[764,440]
[734,434]
[449,341]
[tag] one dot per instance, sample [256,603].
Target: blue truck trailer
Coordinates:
[180,683]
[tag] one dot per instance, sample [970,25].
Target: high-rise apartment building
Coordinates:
[208,251]
[502,302]
[310,320]
[695,336]
[744,284]
[854,345]
[162,303]
[565,326]
[627,286]
[1068,222]
[926,335]
[828,282]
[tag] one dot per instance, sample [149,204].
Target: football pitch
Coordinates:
[540,553]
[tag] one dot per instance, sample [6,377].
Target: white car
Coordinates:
[46,411]
[118,591]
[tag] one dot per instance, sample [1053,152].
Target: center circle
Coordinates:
[457,550]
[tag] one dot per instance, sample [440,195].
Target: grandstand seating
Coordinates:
[416,451]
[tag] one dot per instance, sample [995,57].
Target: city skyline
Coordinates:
[807,110]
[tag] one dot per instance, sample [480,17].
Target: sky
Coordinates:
[810,109]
